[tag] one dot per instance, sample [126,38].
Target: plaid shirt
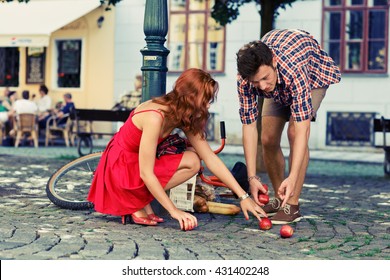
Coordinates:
[171,145]
[301,66]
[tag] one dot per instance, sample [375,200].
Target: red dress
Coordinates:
[117,187]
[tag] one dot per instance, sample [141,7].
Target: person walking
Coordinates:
[292,72]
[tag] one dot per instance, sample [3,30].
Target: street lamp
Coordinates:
[154,63]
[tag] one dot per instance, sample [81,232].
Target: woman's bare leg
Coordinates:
[188,167]
[142,212]
[148,209]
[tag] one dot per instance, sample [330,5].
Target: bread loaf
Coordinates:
[222,208]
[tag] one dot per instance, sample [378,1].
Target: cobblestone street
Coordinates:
[346,216]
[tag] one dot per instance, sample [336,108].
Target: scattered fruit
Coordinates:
[265,224]
[263,198]
[286,231]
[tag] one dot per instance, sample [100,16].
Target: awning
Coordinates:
[30,25]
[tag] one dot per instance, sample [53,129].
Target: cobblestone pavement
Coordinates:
[346,208]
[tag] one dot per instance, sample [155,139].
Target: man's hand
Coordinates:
[286,190]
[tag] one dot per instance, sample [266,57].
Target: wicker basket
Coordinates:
[183,195]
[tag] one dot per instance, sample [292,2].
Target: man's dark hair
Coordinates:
[11,93]
[251,56]
[44,89]
[26,94]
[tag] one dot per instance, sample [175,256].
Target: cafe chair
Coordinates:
[59,128]
[26,124]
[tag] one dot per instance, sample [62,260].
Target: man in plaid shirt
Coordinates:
[292,72]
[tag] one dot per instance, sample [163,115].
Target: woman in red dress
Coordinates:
[130,175]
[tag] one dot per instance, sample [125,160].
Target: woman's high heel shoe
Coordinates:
[138,220]
[155,218]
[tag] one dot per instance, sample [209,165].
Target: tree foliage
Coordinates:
[109,3]
[226,11]
[17,0]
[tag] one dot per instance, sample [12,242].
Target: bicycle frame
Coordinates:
[214,180]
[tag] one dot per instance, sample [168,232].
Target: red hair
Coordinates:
[188,100]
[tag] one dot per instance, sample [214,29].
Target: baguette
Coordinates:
[222,208]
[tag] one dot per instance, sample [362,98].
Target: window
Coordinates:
[355,34]
[9,67]
[194,38]
[350,129]
[69,63]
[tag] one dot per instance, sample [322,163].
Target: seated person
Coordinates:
[44,106]
[25,105]
[66,109]
[6,111]
[5,116]
[132,99]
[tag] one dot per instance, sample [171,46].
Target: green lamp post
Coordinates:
[154,64]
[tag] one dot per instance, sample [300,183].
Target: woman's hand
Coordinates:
[256,186]
[186,220]
[249,205]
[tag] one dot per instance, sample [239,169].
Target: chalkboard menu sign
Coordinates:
[70,56]
[35,65]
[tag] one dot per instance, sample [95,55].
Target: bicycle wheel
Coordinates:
[386,164]
[84,145]
[68,187]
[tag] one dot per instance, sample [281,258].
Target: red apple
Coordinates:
[263,198]
[265,186]
[286,231]
[265,224]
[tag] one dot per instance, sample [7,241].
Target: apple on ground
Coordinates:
[265,224]
[286,231]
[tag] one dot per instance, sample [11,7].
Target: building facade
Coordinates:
[68,45]
[99,63]
[354,32]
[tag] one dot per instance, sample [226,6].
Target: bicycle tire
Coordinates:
[84,145]
[386,164]
[68,187]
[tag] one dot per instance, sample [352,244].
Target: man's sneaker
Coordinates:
[287,214]
[272,207]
